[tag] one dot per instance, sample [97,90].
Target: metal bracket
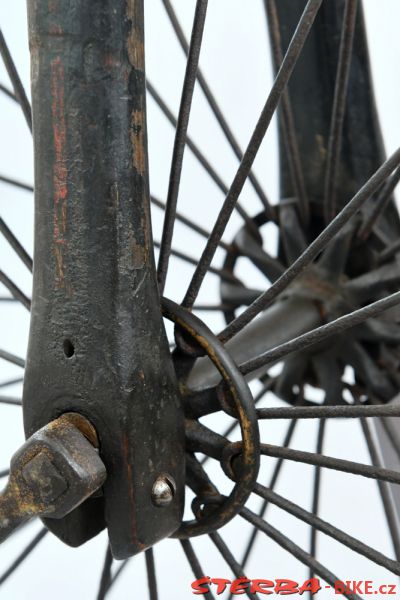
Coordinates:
[97,341]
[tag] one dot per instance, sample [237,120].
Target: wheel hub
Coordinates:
[348,275]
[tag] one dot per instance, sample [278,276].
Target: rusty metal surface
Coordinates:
[351,272]
[97,343]
[243,406]
[56,470]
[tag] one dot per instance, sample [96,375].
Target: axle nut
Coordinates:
[44,479]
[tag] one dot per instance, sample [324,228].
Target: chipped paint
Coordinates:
[137,133]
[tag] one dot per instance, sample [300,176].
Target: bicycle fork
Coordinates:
[97,345]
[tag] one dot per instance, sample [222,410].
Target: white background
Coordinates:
[235,59]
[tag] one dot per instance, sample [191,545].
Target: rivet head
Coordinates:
[163,490]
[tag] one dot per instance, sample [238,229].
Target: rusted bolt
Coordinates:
[43,478]
[57,469]
[163,490]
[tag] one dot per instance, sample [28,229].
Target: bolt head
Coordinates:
[163,490]
[43,478]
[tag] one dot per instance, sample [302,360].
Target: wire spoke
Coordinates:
[151,574]
[279,93]
[224,275]
[16,183]
[16,245]
[266,388]
[117,574]
[180,139]
[12,358]
[24,555]
[194,564]
[188,222]
[389,252]
[320,525]
[336,254]
[9,382]
[217,112]
[5,90]
[319,243]
[317,412]
[274,479]
[249,246]
[320,333]
[105,578]
[337,464]
[316,489]
[199,156]
[213,307]
[230,561]
[381,203]
[16,81]
[15,291]
[193,147]
[289,131]
[278,87]
[387,424]
[384,490]
[10,400]
[339,108]
[293,549]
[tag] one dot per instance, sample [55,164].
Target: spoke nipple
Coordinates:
[163,490]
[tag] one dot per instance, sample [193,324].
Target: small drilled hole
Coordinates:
[69,349]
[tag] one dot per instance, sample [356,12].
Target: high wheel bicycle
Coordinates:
[153,415]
